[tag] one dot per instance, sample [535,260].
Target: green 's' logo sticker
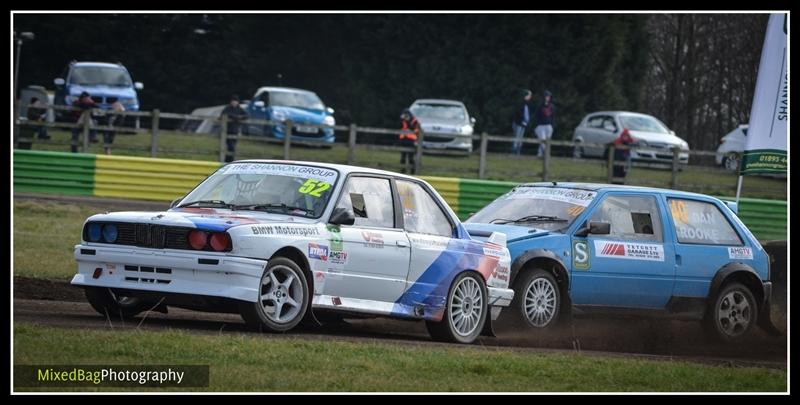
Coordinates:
[580,255]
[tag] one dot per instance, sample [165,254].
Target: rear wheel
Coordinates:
[733,313]
[108,303]
[282,298]
[537,299]
[577,150]
[465,313]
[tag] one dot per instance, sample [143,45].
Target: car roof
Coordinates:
[292,89]
[614,187]
[98,64]
[620,113]
[437,101]
[343,170]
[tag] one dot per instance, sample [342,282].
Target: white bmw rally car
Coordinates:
[283,242]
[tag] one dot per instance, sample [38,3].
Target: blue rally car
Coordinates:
[606,248]
[304,108]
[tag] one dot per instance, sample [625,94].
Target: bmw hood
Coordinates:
[513,232]
[103,91]
[202,218]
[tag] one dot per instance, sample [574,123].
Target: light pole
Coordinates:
[23,36]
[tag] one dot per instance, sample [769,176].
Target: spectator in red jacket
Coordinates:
[409,133]
[84,102]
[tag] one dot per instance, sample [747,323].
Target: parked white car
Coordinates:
[731,147]
[279,241]
[446,124]
[654,139]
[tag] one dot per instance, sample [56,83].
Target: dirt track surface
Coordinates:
[660,340]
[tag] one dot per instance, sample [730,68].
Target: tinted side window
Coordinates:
[371,201]
[421,214]
[631,217]
[595,122]
[701,222]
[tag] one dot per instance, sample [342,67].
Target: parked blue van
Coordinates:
[300,106]
[607,248]
[105,82]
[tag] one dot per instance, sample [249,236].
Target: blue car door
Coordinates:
[633,266]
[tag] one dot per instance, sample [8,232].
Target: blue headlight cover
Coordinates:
[94,232]
[110,233]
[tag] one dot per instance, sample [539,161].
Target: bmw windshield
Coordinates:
[549,208]
[270,187]
[94,75]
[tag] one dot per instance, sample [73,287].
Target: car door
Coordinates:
[632,266]
[369,259]
[706,240]
[430,231]
[598,130]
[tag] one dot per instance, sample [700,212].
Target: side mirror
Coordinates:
[329,110]
[138,85]
[594,228]
[259,104]
[342,216]
[59,81]
[175,202]
[472,120]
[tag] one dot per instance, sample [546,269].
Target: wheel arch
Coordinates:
[738,272]
[546,260]
[294,254]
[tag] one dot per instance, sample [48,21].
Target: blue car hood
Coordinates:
[513,232]
[103,90]
[301,115]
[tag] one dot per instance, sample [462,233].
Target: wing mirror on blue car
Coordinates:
[594,228]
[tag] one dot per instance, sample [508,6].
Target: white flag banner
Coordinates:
[765,151]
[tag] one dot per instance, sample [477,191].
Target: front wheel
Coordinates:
[110,304]
[577,150]
[733,313]
[537,299]
[282,298]
[465,313]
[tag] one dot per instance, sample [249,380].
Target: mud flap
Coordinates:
[488,330]
[765,321]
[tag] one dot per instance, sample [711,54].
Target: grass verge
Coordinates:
[252,363]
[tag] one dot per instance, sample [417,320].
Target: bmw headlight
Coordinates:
[329,120]
[110,233]
[279,116]
[94,232]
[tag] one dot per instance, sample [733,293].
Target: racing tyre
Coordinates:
[112,305]
[537,299]
[283,298]
[465,313]
[733,313]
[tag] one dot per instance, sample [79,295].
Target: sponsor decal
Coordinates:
[337,257]
[314,188]
[335,237]
[284,230]
[307,172]
[699,234]
[316,251]
[261,230]
[336,301]
[501,273]
[319,282]
[628,250]
[580,255]
[373,239]
[436,242]
[577,197]
[490,249]
[740,252]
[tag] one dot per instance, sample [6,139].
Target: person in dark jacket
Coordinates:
[37,111]
[84,103]
[545,118]
[520,121]
[409,134]
[236,114]
[111,119]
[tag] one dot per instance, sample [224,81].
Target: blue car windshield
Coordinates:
[94,75]
[547,208]
[295,99]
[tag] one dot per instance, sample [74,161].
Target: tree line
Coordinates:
[695,72]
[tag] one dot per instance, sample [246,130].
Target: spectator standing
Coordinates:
[520,121]
[84,103]
[236,114]
[622,155]
[545,118]
[37,111]
[112,119]
[409,134]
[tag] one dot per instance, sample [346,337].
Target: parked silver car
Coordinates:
[654,140]
[446,124]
